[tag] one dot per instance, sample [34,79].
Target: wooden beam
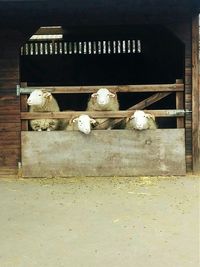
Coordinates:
[49,30]
[114,88]
[195,96]
[179,105]
[24,108]
[98,114]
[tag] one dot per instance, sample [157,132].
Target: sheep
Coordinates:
[141,121]
[81,123]
[43,101]
[103,99]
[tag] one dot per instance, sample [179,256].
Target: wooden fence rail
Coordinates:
[99,114]
[176,87]
[160,91]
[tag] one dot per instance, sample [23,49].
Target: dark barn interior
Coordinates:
[159,59]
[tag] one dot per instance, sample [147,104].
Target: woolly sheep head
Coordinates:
[38,98]
[140,120]
[103,96]
[84,123]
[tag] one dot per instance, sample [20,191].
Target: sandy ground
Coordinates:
[100,222]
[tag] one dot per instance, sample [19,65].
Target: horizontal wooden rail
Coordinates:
[99,114]
[176,87]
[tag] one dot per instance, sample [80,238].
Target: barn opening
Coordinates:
[109,55]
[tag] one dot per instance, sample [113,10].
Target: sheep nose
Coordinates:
[87,131]
[102,102]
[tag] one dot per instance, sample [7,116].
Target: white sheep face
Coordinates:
[139,120]
[38,98]
[103,96]
[84,123]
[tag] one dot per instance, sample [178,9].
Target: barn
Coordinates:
[147,51]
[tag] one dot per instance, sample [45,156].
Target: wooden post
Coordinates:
[195,96]
[179,105]
[24,108]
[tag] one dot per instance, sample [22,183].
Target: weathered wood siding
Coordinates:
[195,95]
[9,102]
[183,30]
[103,153]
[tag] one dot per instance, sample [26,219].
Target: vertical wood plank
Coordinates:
[24,107]
[179,105]
[183,31]
[195,96]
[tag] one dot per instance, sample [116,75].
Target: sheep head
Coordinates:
[103,96]
[140,120]
[38,98]
[84,123]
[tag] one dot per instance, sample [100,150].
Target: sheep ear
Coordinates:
[71,120]
[111,94]
[92,121]
[47,95]
[129,118]
[94,95]
[74,120]
[150,116]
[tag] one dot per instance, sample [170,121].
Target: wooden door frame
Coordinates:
[195,96]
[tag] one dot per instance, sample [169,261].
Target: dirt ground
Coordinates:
[100,222]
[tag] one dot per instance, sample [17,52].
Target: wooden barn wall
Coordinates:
[10,105]
[183,31]
[195,95]
[9,102]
